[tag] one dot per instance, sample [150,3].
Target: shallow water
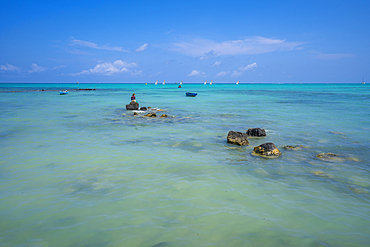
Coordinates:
[80,170]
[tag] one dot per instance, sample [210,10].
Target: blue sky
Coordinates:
[193,41]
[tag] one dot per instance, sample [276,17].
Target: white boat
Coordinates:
[237,82]
[205,82]
[211,82]
[181,82]
[156,82]
[164,82]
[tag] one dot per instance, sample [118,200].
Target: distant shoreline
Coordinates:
[149,83]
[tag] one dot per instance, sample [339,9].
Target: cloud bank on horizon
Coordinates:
[205,49]
[110,69]
[114,43]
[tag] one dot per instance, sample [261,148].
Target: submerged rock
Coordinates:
[163,115]
[161,244]
[143,108]
[337,133]
[358,189]
[256,132]
[132,106]
[296,147]
[322,174]
[267,149]
[237,138]
[150,115]
[329,156]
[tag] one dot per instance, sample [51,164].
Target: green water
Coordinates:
[80,170]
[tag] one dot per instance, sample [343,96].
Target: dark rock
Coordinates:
[86,89]
[237,138]
[132,106]
[135,113]
[143,108]
[256,132]
[267,149]
[150,115]
[163,115]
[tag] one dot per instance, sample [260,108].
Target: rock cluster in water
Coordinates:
[148,111]
[265,150]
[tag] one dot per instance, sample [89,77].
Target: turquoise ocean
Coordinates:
[80,170]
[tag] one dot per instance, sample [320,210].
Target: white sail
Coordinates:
[156,82]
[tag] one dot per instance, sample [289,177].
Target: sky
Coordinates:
[193,41]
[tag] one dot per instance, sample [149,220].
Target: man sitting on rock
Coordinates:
[133,98]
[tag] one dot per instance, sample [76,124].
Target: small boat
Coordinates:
[191,94]
[156,82]
[164,82]
[205,82]
[181,82]
[363,82]
[63,92]
[211,82]
[237,82]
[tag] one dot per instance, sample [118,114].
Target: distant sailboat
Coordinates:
[210,83]
[156,82]
[164,82]
[181,82]
[205,82]
[237,82]
[363,82]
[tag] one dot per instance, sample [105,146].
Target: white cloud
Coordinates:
[9,67]
[109,69]
[223,73]
[240,70]
[204,49]
[216,64]
[248,67]
[208,55]
[236,73]
[92,45]
[36,68]
[142,48]
[196,72]
[59,67]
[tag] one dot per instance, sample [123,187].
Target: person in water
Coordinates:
[133,98]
